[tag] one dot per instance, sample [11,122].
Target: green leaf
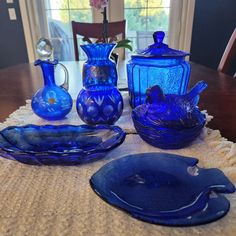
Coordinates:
[128,47]
[124,43]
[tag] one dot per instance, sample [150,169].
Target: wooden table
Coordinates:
[20,82]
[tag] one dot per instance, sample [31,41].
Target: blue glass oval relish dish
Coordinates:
[59,145]
[164,188]
[169,121]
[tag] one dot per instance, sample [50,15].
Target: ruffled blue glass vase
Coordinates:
[99,102]
[51,102]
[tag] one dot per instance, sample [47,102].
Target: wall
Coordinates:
[12,42]
[214,22]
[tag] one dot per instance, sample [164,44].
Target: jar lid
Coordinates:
[159,49]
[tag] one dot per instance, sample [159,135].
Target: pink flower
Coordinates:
[98,3]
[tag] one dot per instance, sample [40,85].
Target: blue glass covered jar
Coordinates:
[99,102]
[157,65]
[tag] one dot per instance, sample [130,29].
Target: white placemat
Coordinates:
[42,200]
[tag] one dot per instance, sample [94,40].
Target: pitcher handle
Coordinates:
[65,85]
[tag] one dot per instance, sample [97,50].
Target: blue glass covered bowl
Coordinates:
[169,121]
[59,145]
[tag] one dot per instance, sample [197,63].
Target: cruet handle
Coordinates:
[65,85]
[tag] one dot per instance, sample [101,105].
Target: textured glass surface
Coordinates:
[58,145]
[170,121]
[159,187]
[172,75]
[51,102]
[99,102]
[100,105]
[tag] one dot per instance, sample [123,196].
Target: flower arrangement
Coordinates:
[102,5]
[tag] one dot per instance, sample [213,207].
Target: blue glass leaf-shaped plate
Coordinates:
[163,188]
[59,145]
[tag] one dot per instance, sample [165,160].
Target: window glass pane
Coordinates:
[145,17]
[60,34]
[81,15]
[135,3]
[60,13]
[136,20]
[56,4]
[79,4]
[158,3]
[59,23]
[82,55]
[133,43]
[63,49]
[144,39]
[158,19]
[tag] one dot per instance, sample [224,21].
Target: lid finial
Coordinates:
[158,36]
[159,49]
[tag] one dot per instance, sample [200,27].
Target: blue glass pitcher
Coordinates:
[51,102]
[157,65]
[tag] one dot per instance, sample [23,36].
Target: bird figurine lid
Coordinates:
[171,109]
[160,49]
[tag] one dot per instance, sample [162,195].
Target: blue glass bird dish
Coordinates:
[164,188]
[169,121]
[59,145]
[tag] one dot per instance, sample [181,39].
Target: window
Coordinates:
[145,17]
[52,19]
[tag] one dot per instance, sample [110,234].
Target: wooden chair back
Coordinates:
[229,55]
[94,31]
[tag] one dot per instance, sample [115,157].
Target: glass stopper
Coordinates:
[44,49]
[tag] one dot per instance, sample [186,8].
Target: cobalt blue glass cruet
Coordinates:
[51,102]
[157,65]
